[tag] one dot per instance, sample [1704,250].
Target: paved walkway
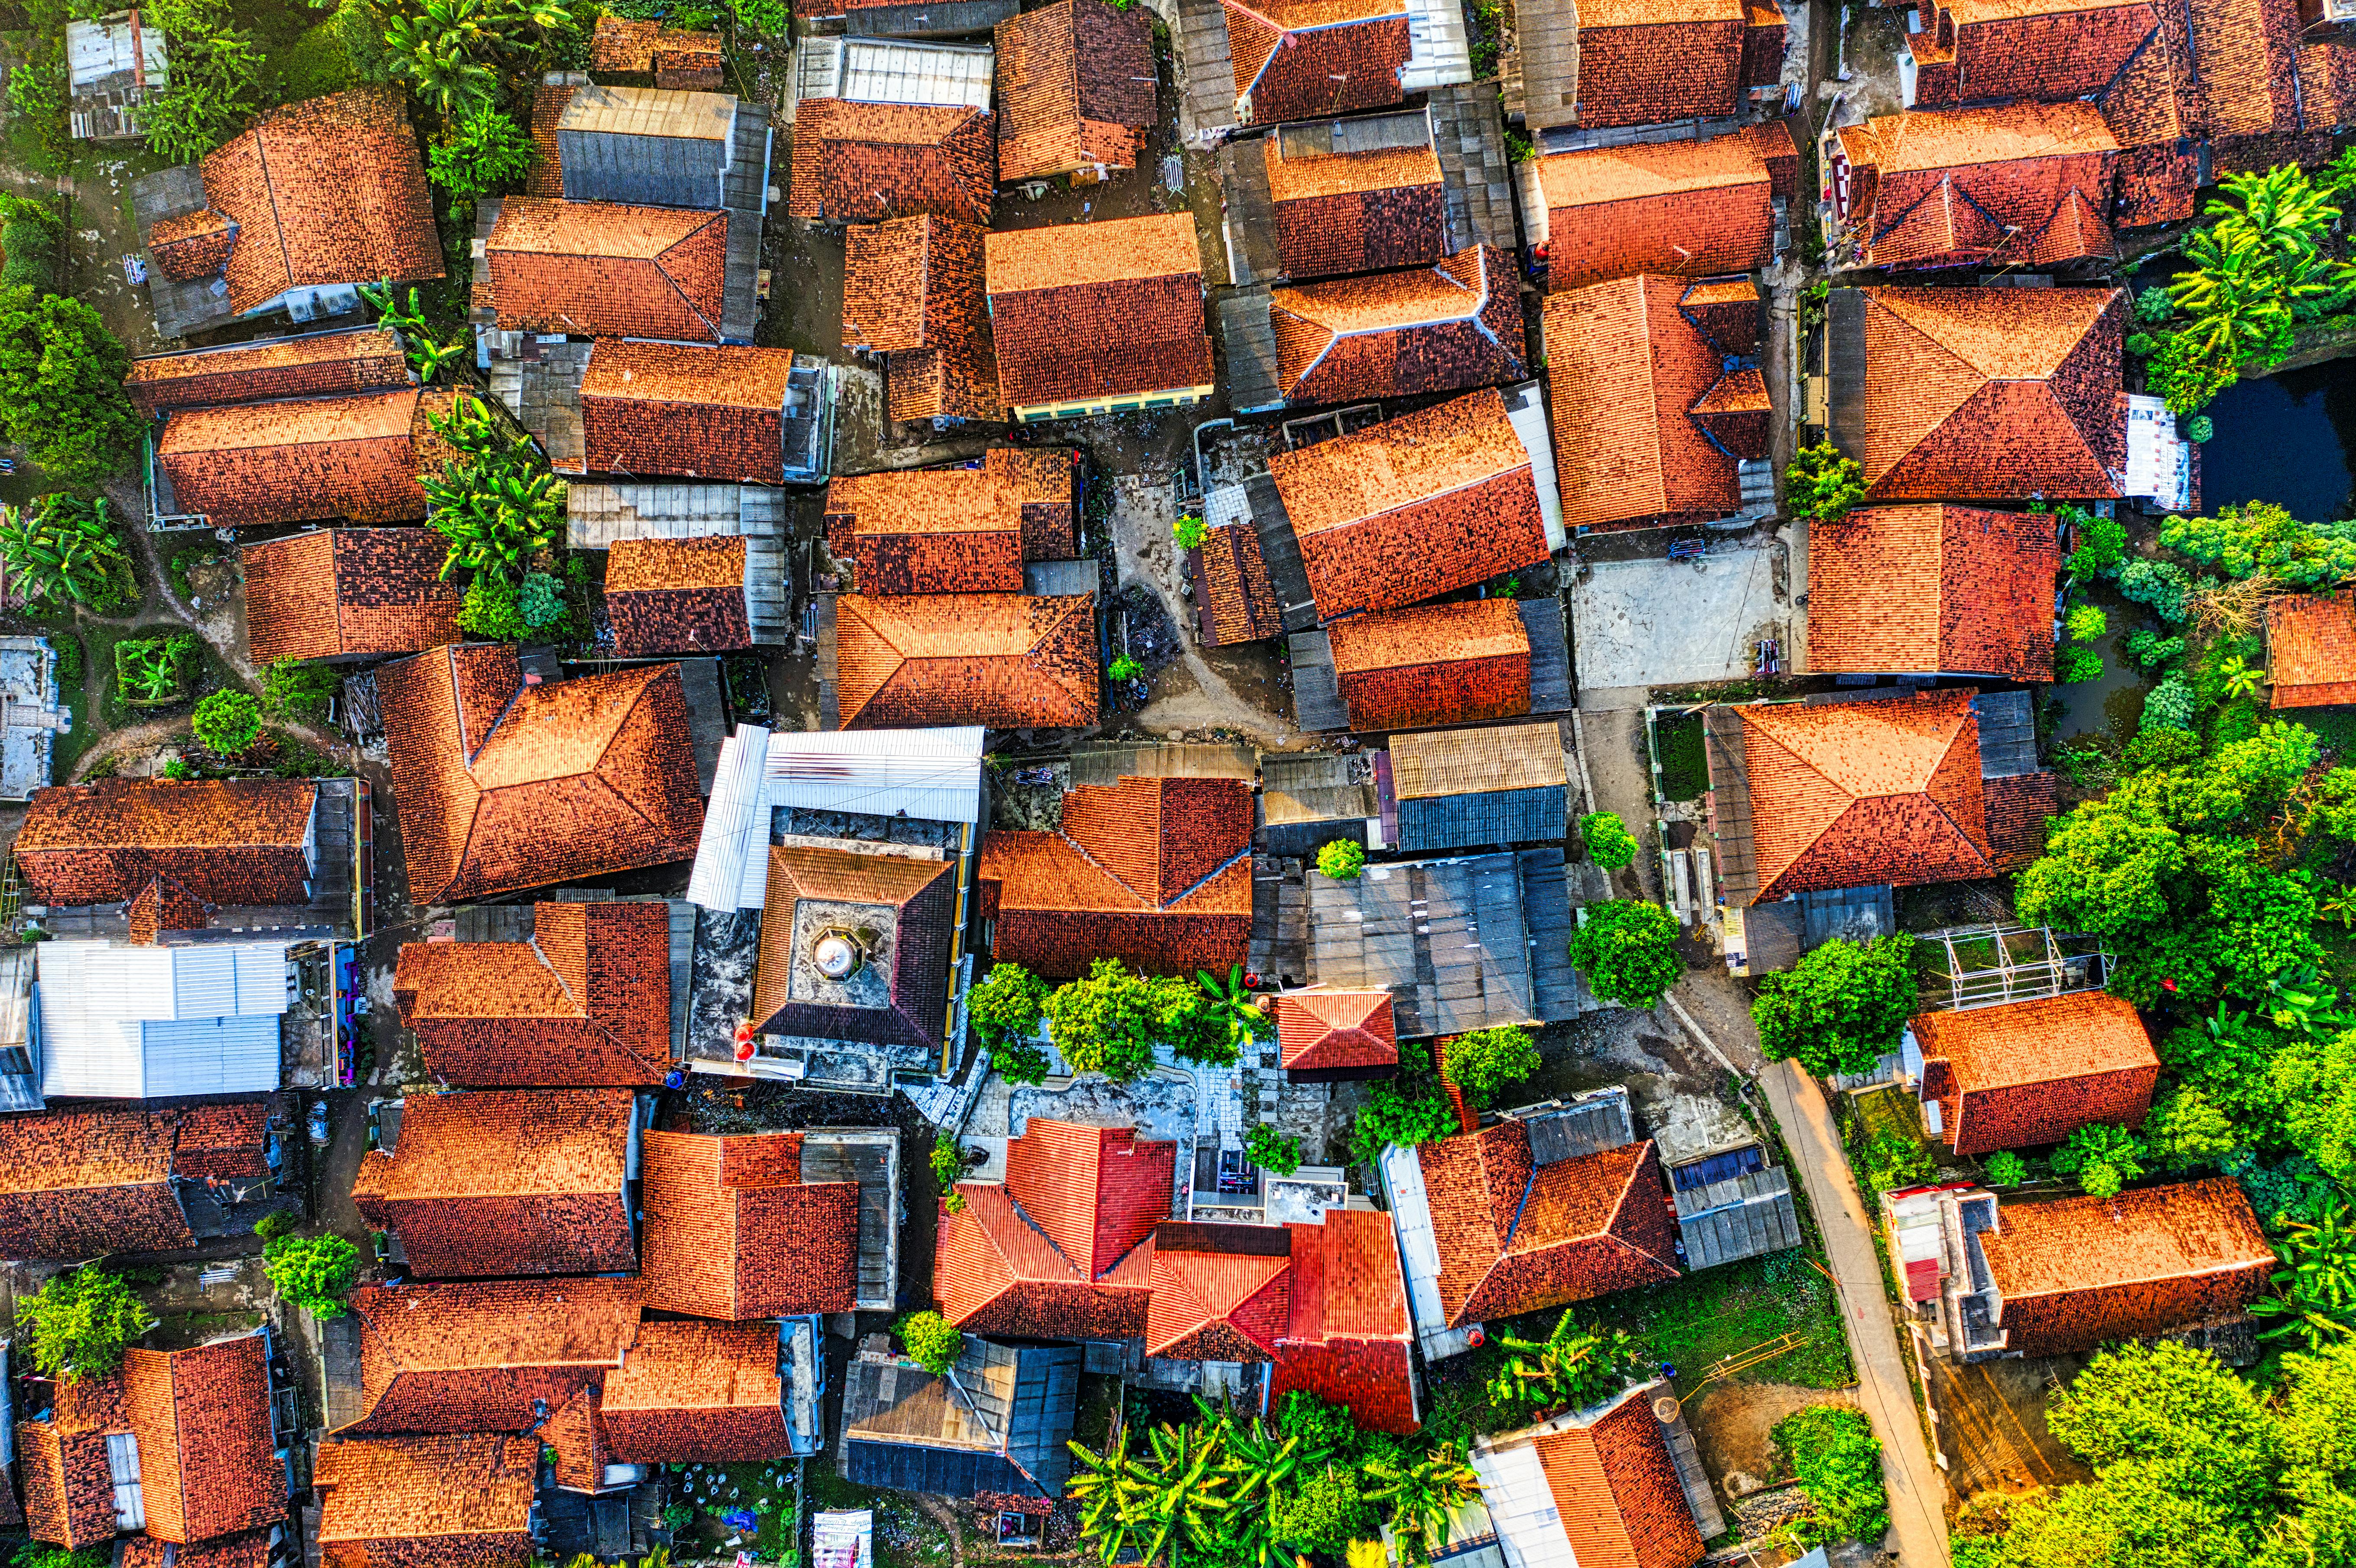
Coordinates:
[1917,1491]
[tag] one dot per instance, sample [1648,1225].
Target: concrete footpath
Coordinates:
[1917,1491]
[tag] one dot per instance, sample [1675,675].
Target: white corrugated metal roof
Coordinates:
[1522,1506]
[95,50]
[887,71]
[137,1022]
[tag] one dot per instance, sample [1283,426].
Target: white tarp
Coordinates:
[2159,460]
[139,1022]
[844,1538]
[1522,1506]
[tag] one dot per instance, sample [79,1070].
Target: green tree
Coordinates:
[948,1161]
[1831,1450]
[1627,951]
[1486,1061]
[1342,860]
[427,355]
[59,547]
[484,153]
[315,1273]
[1276,1153]
[2085,622]
[79,1322]
[2316,1081]
[1189,532]
[276,1223]
[2073,665]
[449,51]
[1326,1512]
[2100,549]
[41,1554]
[930,1340]
[61,388]
[2103,1158]
[1006,1004]
[2005,1170]
[495,502]
[1821,485]
[1609,843]
[2184,1130]
[1111,1022]
[540,602]
[1407,1109]
[30,232]
[1571,1368]
[2106,868]
[214,86]
[490,611]
[1841,1007]
[2261,536]
[299,691]
[227,723]
[1325,1429]
[1890,1162]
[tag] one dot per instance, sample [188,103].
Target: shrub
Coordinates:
[1407,1109]
[486,153]
[1821,485]
[2100,548]
[1323,1428]
[150,671]
[2148,650]
[677,1517]
[1487,1059]
[1890,1161]
[276,1223]
[771,18]
[1609,843]
[1838,1008]
[2153,305]
[29,234]
[2139,344]
[1020,1061]
[947,1160]
[930,1341]
[227,722]
[2103,1158]
[2160,585]
[61,388]
[1831,1450]
[1279,1153]
[2170,705]
[2200,428]
[1189,532]
[60,547]
[2005,1170]
[1125,669]
[2161,749]
[540,602]
[315,1273]
[1326,1512]
[40,1554]
[1006,1004]
[2084,622]
[1111,1021]
[299,692]
[1342,859]
[1627,951]
[490,612]
[81,1320]
[2243,540]
[2073,665]
[320,61]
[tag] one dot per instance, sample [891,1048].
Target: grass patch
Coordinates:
[1695,1322]
[1684,772]
[1889,1109]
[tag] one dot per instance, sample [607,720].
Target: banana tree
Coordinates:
[1233,1001]
[1423,1493]
[1258,1470]
[59,547]
[1572,1369]
[2318,1279]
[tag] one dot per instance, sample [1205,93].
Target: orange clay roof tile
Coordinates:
[732,1231]
[1434,663]
[1948,590]
[859,162]
[1098,311]
[1004,660]
[601,268]
[442,1498]
[710,412]
[340,591]
[354,456]
[1318,1030]
[1076,89]
[315,364]
[208,1458]
[1617,1490]
[2311,649]
[476,1356]
[1437,329]
[2025,1073]
[1688,209]
[1355,212]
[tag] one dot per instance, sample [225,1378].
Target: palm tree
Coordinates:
[1258,1469]
[1423,1493]
[2318,1278]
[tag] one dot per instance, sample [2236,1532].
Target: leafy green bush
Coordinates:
[677,1517]
[1890,1161]
[947,1160]
[81,1320]
[486,154]
[930,1341]
[2153,305]
[2148,650]
[69,651]
[1124,668]
[59,547]
[1573,1368]
[214,86]
[1609,843]
[540,600]
[1831,1450]
[2084,622]
[2100,549]
[772,18]
[490,612]
[61,388]
[2005,1170]
[2243,540]
[276,1223]
[2103,1158]
[1487,1059]
[29,232]
[1275,1152]
[2161,749]
[2160,585]
[2072,664]
[298,692]
[2140,343]
[1006,1003]
[1326,1512]
[1821,485]
[2200,430]
[1189,532]
[315,1273]
[2170,705]
[1342,860]
[2184,1130]
[151,671]
[1323,1428]
[320,61]
[227,722]
[1627,950]
[1842,1005]
[496,503]
[1020,1061]
[1111,1022]
[41,1554]
[1406,1109]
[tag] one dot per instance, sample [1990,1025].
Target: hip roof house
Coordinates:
[498,1357]
[1352,211]
[1646,62]
[1004,660]
[680,596]
[2017,183]
[1978,51]
[1601,1486]
[2311,649]
[855,946]
[736,1228]
[1302,59]
[1933,589]
[857,163]
[1686,208]
[79,1184]
[1455,325]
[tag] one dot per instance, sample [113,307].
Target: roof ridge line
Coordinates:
[694,309]
[277,221]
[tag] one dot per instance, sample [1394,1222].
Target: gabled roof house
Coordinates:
[1364,211]
[679,596]
[235,841]
[1933,589]
[79,1184]
[857,163]
[2026,183]
[1458,663]
[1002,660]
[1154,872]
[1098,318]
[677,59]
[1659,400]
[912,291]
[489,1357]
[1413,508]
[1597,1485]
[1075,89]
[1976,52]
[457,1499]
[1062,1248]
[1646,62]
[356,457]
[2311,649]
[1686,208]
[1454,324]
[966,529]
[2023,1074]
[500,786]
[310,365]
[339,594]
[696,412]
[735,1230]
[491,1182]
[602,269]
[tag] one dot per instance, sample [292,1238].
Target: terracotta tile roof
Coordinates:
[223,1140]
[1643,62]
[506,1182]
[1235,589]
[1348,1340]
[1434,663]
[395,1501]
[2311,649]
[687,61]
[502,786]
[330,190]
[1687,209]
[955,376]
[683,409]
[703,1391]
[1649,421]
[885,283]
[317,364]
[2076,1273]
[2026,1073]
[1948,590]
[2028,182]
[965,530]
[162,905]
[1296,60]
[1215,1302]
[997,659]
[1617,1490]
[1319,1030]
[237,841]
[1849,795]
[79,1184]
[1076,89]
[601,268]
[2019,808]
[587,1000]
[208,1464]
[1098,310]
[1355,212]
[549,101]
[338,591]
[1516,1236]
[244,464]
[678,596]
[2049,52]
[69,1485]
[1438,330]
[474,1357]
[858,162]
[1061,1236]
[1416,506]
[1154,872]
[193,245]
[1992,393]
[913,904]
[252,1548]
[732,1231]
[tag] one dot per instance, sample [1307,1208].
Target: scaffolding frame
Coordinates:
[1988,965]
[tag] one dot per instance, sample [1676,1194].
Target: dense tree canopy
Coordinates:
[1841,1007]
[61,388]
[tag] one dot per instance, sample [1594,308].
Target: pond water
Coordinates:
[2285,439]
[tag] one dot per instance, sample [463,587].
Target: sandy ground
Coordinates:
[1731,1422]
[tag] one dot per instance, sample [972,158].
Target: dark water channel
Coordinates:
[2286,439]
